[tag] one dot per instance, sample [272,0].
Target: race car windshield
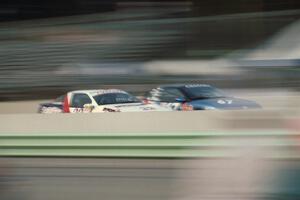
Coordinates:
[206,92]
[115,98]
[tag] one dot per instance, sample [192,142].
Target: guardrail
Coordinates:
[204,144]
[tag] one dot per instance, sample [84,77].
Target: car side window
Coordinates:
[79,100]
[170,94]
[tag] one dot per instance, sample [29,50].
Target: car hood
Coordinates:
[226,103]
[52,104]
[130,107]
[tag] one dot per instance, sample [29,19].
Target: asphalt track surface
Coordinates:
[65,179]
[148,179]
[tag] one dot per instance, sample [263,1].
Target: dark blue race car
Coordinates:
[197,97]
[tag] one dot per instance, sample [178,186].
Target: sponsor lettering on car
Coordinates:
[99,92]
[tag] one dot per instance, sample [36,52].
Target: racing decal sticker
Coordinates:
[76,110]
[224,101]
[48,110]
[128,105]
[147,108]
[110,110]
[99,92]
[196,85]
[173,106]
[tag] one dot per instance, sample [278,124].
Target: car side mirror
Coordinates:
[180,100]
[88,107]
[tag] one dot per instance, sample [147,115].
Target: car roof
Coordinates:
[98,91]
[182,85]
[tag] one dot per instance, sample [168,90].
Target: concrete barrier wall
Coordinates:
[201,144]
[150,122]
[13,107]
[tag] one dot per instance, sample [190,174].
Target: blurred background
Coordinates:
[49,47]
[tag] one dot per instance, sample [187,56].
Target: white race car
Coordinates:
[96,101]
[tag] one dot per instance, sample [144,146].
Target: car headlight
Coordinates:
[187,107]
[209,108]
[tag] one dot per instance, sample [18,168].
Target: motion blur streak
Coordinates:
[51,47]
[247,177]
